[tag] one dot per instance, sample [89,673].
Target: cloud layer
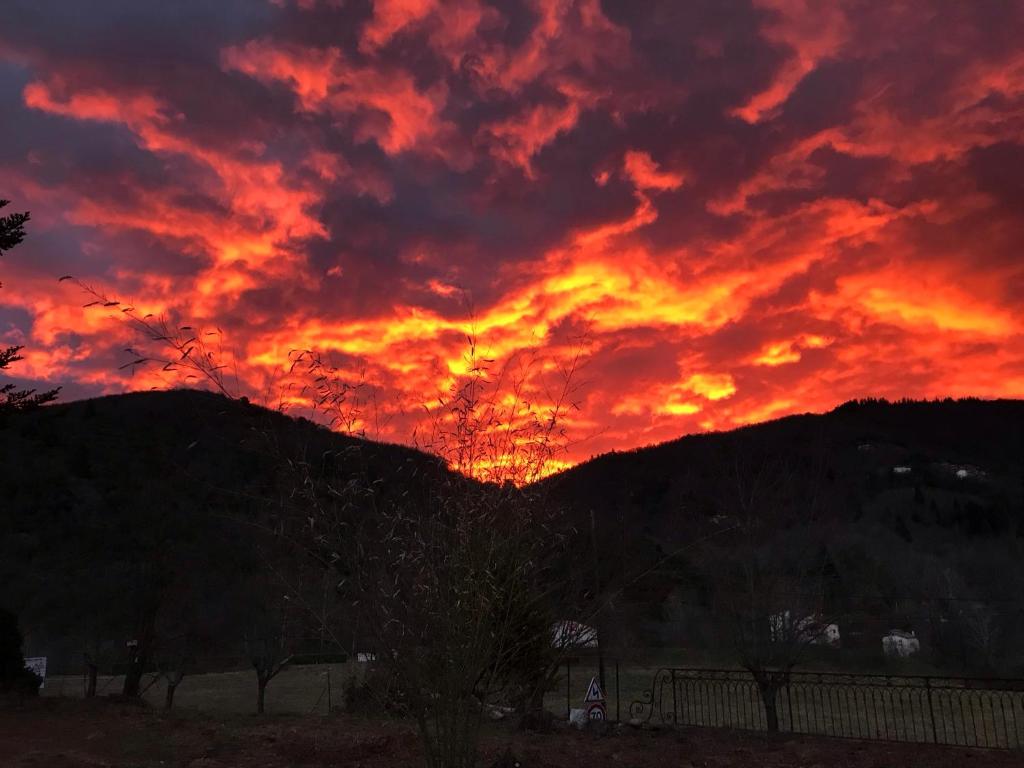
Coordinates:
[751,208]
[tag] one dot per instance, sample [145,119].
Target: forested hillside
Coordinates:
[913,513]
[155,517]
[155,513]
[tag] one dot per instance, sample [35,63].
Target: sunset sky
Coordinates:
[749,208]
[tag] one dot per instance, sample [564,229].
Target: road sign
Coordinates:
[593,702]
[594,692]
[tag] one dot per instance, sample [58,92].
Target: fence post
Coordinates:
[330,704]
[568,688]
[789,705]
[675,705]
[931,709]
[618,714]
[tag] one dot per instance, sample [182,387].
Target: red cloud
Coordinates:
[750,214]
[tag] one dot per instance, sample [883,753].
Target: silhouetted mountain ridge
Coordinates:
[965,457]
[93,491]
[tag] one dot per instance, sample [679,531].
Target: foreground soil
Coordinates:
[54,733]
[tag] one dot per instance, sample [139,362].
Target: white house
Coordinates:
[573,634]
[809,630]
[828,636]
[966,471]
[780,627]
[900,644]
[962,471]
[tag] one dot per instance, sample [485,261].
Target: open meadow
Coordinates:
[878,709]
[297,690]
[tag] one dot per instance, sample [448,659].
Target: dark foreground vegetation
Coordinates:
[162,501]
[66,734]
[159,535]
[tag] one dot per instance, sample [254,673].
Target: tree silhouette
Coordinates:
[12,232]
[12,228]
[449,563]
[14,677]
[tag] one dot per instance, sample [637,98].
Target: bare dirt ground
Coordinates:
[56,733]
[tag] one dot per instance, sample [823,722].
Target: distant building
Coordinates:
[809,630]
[901,470]
[830,636]
[962,471]
[900,644]
[966,471]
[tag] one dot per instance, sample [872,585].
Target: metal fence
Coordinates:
[973,712]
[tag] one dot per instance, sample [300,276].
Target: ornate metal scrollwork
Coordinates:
[653,701]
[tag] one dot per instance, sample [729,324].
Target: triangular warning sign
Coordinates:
[594,692]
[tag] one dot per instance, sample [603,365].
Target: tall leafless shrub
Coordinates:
[195,354]
[767,572]
[450,562]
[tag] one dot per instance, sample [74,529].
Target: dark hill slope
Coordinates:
[919,514]
[129,509]
[669,488]
[98,496]
[181,450]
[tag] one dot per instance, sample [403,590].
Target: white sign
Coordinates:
[594,692]
[593,702]
[38,665]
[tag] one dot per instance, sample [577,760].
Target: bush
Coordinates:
[538,721]
[14,677]
[376,693]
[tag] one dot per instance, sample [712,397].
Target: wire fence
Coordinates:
[961,711]
[309,684]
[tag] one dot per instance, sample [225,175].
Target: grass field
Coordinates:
[304,689]
[297,690]
[970,718]
[873,708]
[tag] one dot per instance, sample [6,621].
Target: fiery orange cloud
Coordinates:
[790,350]
[645,174]
[326,81]
[740,213]
[392,16]
[811,32]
